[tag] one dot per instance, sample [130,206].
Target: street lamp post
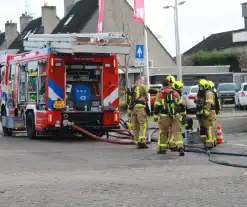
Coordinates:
[177,41]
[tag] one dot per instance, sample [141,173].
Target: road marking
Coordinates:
[235,144]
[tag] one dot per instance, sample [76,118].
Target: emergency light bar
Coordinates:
[101,43]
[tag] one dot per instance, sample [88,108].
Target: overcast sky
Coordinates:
[197,18]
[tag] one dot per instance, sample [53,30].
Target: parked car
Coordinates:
[188,95]
[241,97]
[227,92]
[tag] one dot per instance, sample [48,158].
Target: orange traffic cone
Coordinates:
[219,135]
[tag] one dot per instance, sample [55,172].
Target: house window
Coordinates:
[68,20]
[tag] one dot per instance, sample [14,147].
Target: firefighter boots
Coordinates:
[141,146]
[161,151]
[181,151]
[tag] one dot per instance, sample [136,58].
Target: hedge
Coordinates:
[231,58]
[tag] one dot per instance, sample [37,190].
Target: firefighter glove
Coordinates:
[206,112]
[156,118]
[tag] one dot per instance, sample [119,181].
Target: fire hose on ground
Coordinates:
[127,135]
[191,148]
[121,142]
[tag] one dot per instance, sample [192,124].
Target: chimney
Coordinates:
[24,20]
[244,14]
[10,32]
[68,4]
[49,18]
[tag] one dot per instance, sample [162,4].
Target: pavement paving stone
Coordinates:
[71,172]
[86,173]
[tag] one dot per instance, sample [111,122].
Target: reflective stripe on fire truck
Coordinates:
[111,98]
[55,92]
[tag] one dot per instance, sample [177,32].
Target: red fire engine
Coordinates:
[65,79]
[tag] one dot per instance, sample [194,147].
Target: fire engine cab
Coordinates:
[64,79]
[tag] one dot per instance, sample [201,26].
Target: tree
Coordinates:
[243,60]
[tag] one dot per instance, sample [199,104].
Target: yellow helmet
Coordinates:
[203,83]
[171,78]
[211,84]
[178,85]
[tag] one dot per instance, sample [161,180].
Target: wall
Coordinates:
[191,74]
[68,4]
[119,17]
[193,79]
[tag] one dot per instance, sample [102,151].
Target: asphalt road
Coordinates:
[71,173]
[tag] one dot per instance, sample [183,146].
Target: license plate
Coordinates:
[227,99]
[59,105]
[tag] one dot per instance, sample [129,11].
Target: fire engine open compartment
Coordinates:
[84,95]
[83,83]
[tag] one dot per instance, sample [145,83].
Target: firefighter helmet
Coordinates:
[171,78]
[178,85]
[203,83]
[211,84]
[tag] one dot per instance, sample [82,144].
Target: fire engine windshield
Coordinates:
[83,88]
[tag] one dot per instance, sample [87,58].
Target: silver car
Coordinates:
[188,95]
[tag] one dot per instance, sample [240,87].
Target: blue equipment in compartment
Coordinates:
[82,93]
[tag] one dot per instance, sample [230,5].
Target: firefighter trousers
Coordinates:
[139,124]
[203,128]
[129,124]
[209,124]
[167,123]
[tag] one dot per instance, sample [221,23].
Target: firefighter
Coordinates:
[217,105]
[139,113]
[199,106]
[208,114]
[166,105]
[217,97]
[186,121]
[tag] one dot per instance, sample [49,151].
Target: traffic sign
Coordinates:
[139,51]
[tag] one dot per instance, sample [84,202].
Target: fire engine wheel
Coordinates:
[31,132]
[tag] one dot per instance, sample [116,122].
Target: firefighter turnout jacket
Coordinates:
[168,102]
[209,104]
[137,96]
[217,101]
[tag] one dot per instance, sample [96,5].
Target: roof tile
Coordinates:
[2,38]
[216,41]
